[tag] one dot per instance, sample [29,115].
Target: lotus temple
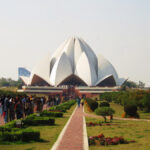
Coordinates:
[75,65]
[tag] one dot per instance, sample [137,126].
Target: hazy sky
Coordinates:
[118,29]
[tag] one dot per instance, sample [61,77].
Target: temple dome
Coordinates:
[74,63]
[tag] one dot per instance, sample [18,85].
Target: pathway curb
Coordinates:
[56,144]
[85,137]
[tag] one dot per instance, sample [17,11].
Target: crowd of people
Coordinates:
[16,107]
[20,106]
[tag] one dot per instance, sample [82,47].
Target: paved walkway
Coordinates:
[72,139]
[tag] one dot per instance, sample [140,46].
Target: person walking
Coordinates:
[78,101]
[82,102]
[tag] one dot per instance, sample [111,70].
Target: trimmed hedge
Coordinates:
[131,110]
[8,126]
[51,114]
[34,120]
[63,107]
[104,104]
[92,104]
[25,135]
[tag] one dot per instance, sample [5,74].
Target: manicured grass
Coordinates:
[130,130]
[48,133]
[118,109]
[144,115]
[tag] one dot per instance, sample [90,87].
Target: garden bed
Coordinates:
[130,131]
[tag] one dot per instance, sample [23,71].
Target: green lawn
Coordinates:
[48,133]
[144,115]
[118,109]
[130,130]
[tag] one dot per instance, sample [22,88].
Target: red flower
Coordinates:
[100,135]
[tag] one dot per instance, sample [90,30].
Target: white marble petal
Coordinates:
[25,79]
[105,68]
[42,69]
[61,70]
[85,70]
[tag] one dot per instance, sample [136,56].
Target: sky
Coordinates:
[117,29]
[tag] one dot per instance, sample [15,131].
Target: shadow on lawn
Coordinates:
[22,142]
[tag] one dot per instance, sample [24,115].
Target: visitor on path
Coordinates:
[82,102]
[78,101]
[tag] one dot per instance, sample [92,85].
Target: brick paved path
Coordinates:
[73,137]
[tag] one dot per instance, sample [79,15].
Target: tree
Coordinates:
[141,84]
[104,104]
[130,84]
[104,112]
[4,82]
[146,102]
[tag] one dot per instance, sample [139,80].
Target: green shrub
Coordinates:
[63,107]
[104,111]
[131,110]
[30,135]
[12,136]
[8,126]
[92,104]
[11,124]
[146,102]
[37,120]
[104,104]
[51,114]
[25,135]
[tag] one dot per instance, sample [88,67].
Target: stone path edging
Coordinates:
[56,144]
[85,137]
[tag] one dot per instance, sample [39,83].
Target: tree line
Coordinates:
[8,82]
[139,98]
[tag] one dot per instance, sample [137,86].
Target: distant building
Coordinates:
[74,63]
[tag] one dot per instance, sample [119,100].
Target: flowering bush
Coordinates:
[102,140]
